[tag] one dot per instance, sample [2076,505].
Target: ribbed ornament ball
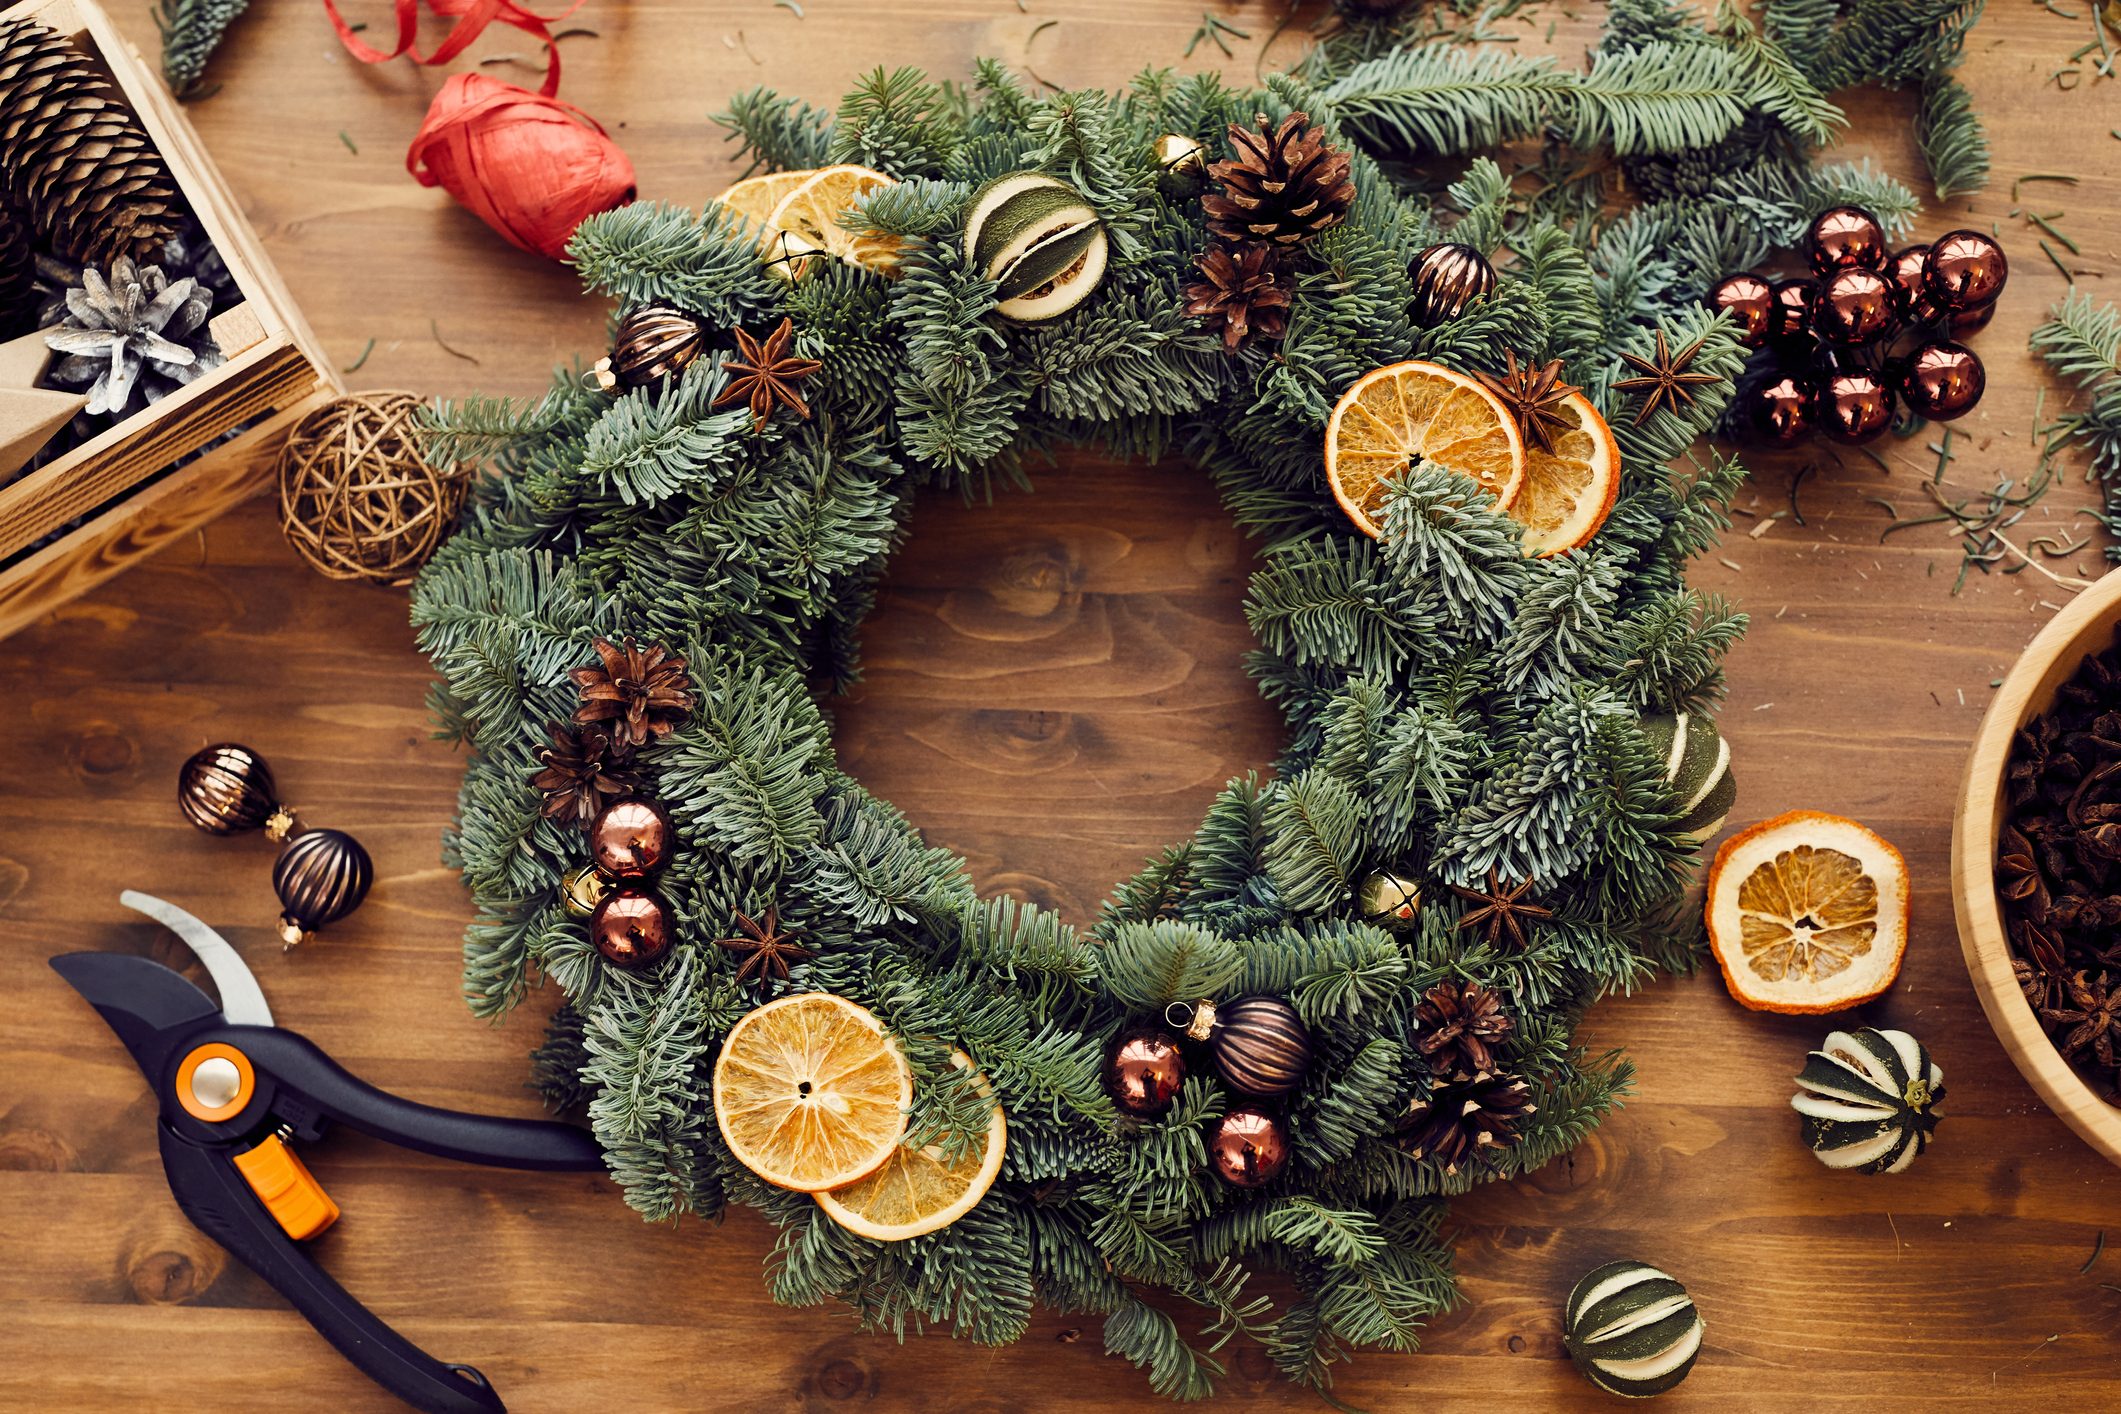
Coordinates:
[1447,278]
[1259,1045]
[652,343]
[320,877]
[227,789]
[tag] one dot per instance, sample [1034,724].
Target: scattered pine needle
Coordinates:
[2097,1247]
[791,6]
[1729,564]
[2040,177]
[1213,28]
[1032,38]
[355,366]
[345,138]
[436,329]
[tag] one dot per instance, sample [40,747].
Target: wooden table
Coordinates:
[1084,640]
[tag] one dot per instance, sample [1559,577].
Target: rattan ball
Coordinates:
[358,499]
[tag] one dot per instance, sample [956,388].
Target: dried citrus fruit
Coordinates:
[919,1190]
[1807,912]
[1568,492]
[1405,412]
[810,215]
[810,1093]
[755,198]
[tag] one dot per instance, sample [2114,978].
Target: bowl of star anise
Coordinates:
[2036,865]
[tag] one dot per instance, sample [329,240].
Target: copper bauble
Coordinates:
[1793,310]
[1259,1044]
[1941,381]
[653,342]
[1247,1147]
[1853,407]
[1389,901]
[1751,301]
[228,789]
[1855,306]
[1446,278]
[1778,412]
[1904,270]
[320,877]
[1143,1071]
[1963,322]
[582,889]
[631,838]
[631,927]
[1965,270]
[1842,236]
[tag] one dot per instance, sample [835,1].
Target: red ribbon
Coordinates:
[473,17]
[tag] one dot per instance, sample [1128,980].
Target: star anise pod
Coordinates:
[641,691]
[2040,989]
[2094,1016]
[1242,296]
[1466,1117]
[2018,875]
[1667,379]
[585,770]
[1501,910]
[1533,397]
[767,374]
[766,951]
[1458,1023]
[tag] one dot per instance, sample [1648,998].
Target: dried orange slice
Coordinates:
[810,216]
[1568,492]
[919,1190]
[1396,415]
[810,1093]
[1807,913]
[756,198]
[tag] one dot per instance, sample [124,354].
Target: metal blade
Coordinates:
[241,1001]
[144,1002]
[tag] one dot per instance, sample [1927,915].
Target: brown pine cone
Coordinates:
[1458,1023]
[18,278]
[641,692]
[73,157]
[585,770]
[1466,1117]
[1285,185]
[1240,296]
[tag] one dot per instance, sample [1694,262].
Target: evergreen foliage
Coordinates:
[2081,341]
[1451,707]
[191,31]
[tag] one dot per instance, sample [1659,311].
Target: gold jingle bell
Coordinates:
[582,889]
[1389,901]
[787,255]
[1184,163]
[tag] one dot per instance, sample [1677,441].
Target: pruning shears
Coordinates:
[236,1093]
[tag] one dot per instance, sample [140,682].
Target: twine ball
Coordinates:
[525,163]
[357,497]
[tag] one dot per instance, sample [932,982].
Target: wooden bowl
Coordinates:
[2080,630]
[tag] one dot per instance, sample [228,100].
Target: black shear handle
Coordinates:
[216,1198]
[297,1065]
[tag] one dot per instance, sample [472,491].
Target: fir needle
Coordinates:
[343,137]
[355,366]
[436,329]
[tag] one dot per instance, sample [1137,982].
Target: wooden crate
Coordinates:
[145,482]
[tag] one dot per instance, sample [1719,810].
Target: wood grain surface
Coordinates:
[1055,689]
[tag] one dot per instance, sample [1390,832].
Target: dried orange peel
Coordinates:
[919,1191]
[811,1093]
[1392,417]
[1807,913]
[1569,491]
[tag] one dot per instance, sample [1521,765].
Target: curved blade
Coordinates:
[241,1001]
[144,1002]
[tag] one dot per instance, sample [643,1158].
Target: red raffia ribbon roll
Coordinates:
[525,163]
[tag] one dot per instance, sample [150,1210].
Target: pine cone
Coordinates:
[18,278]
[641,692]
[1458,1023]
[584,771]
[73,157]
[133,339]
[1465,1117]
[1285,185]
[1241,296]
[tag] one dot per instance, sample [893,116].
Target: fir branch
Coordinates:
[1953,144]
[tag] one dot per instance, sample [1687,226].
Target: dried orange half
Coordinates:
[1393,416]
[810,216]
[810,1092]
[1807,912]
[755,198]
[1568,492]
[919,1191]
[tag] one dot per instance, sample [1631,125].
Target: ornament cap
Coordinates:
[292,934]
[1196,1020]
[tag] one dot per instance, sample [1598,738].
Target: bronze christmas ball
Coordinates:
[1389,901]
[1965,270]
[1751,301]
[1446,278]
[320,877]
[631,927]
[1842,236]
[228,789]
[1144,1070]
[1259,1044]
[1247,1147]
[1905,271]
[1963,322]
[653,342]
[1853,407]
[1778,411]
[1941,380]
[1793,310]
[582,889]
[1854,306]
[631,838]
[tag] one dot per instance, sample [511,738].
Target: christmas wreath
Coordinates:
[1354,991]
